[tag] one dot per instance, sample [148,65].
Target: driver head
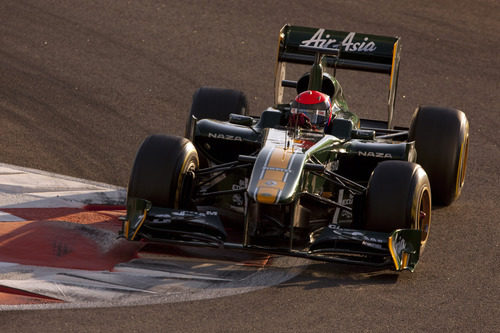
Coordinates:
[311,109]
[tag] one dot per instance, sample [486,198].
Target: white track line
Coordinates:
[28,188]
[151,279]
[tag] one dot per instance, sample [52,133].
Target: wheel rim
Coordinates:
[186,187]
[424,215]
[463,162]
[187,168]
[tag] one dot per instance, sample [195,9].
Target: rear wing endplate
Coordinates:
[362,52]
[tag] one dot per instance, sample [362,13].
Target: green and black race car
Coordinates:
[307,178]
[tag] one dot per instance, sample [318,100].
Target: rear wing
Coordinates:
[362,52]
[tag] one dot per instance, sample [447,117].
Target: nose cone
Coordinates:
[276,175]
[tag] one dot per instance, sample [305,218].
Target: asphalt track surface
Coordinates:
[82,83]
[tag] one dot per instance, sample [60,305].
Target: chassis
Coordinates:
[360,193]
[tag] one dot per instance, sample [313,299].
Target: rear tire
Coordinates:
[217,104]
[163,171]
[441,138]
[398,197]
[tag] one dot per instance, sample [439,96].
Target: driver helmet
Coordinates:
[311,109]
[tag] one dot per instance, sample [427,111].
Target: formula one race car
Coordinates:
[306,178]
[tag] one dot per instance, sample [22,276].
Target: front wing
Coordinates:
[399,249]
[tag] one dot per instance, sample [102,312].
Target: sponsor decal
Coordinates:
[373,245]
[357,235]
[225,136]
[322,40]
[238,199]
[348,202]
[342,215]
[374,154]
[183,214]
[277,169]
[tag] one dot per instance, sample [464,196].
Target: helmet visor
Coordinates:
[317,117]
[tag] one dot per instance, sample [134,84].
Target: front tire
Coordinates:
[398,197]
[163,171]
[441,138]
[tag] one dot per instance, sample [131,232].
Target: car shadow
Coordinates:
[328,275]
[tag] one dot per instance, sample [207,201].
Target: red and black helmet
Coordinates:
[314,106]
